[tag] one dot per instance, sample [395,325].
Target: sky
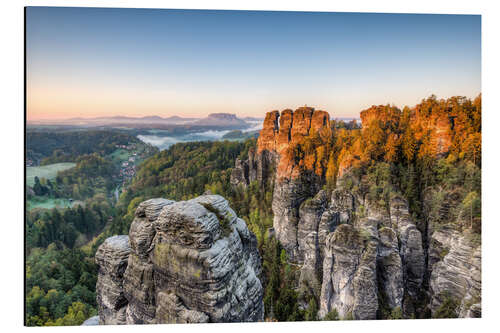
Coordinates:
[95,62]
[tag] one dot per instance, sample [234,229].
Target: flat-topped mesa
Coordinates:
[282,132]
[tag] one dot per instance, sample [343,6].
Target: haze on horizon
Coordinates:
[95,62]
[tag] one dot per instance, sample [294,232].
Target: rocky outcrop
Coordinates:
[390,268]
[188,261]
[377,249]
[258,167]
[455,265]
[112,259]
[411,251]
[239,175]
[295,181]
[310,215]
[288,195]
[373,261]
[92,321]
[318,218]
[349,274]
[394,267]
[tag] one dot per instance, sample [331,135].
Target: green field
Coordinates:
[48,203]
[47,171]
[120,155]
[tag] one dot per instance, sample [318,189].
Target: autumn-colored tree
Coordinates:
[331,170]
[409,145]
[391,148]
[471,147]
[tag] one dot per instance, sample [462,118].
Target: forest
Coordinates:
[64,294]
[394,151]
[47,147]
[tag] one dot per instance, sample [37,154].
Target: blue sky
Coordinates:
[96,62]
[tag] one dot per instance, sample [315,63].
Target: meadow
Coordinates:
[49,203]
[46,171]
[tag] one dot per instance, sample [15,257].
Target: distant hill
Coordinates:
[116,121]
[222,120]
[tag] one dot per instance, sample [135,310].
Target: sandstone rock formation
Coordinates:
[188,261]
[411,250]
[360,263]
[112,259]
[455,266]
[363,261]
[305,219]
[92,321]
[349,274]
[239,175]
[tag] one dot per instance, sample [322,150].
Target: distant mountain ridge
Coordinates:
[99,121]
[226,120]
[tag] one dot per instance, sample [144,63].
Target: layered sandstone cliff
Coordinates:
[455,272]
[373,260]
[183,262]
[356,257]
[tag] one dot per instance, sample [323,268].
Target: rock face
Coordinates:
[392,263]
[294,181]
[360,259]
[112,259]
[258,167]
[385,246]
[188,262]
[319,216]
[239,175]
[92,321]
[349,274]
[411,250]
[390,268]
[455,265]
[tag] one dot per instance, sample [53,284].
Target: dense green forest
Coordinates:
[181,172]
[49,147]
[60,269]
[60,286]
[61,273]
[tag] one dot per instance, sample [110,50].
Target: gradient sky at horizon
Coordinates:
[89,62]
